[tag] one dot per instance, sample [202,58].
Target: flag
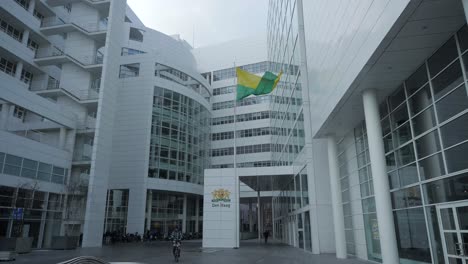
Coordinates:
[248,83]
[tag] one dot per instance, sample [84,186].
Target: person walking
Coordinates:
[266,234]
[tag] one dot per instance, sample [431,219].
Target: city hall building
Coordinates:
[109,126]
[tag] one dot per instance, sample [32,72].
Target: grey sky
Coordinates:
[213,21]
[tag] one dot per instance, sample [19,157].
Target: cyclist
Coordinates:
[176,238]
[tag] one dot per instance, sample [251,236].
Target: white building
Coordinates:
[104,123]
[385,90]
[109,126]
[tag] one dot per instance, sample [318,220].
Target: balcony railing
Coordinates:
[54,51]
[84,153]
[89,27]
[80,95]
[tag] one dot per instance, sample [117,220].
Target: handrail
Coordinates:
[84,259]
[57,21]
[55,51]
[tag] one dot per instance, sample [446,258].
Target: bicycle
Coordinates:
[176,250]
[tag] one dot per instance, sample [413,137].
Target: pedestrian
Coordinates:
[265,235]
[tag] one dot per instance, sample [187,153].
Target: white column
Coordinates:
[184,215]
[43,220]
[5,115]
[25,37]
[19,68]
[32,5]
[62,137]
[149,205]
[258,216]
[197,214]
[383,204]
[335,189]
[251,222]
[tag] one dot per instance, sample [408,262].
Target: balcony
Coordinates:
[87,125]
[95,3]
[53,55]
[83,154]
[56,25]
[52,88]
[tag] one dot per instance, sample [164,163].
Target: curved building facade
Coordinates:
[162,126]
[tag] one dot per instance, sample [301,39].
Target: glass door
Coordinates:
[453,224]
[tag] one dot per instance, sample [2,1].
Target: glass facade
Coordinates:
[173,75]
[424,126]
[283,49]
[165,211]
[18,166]
[291,219]
[39,208]
[116,211]
[180,140]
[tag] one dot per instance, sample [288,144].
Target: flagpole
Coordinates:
[236,178]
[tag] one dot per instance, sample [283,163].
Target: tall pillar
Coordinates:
[43,220]
[251,222]
[62,137]
[184,215]
[19,68]
[258,217]
[32,6]
[5,115]
[25,37]
[197,214]
[335,189]
[149,205]
[388,242]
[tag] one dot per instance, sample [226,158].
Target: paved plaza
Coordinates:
[160,252]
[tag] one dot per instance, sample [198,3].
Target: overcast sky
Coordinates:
[213,21]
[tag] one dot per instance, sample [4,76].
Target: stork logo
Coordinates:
[221,198]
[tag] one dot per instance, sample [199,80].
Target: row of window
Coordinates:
[18,166]
[231,89]
[224,90]
[129,70]
[254,116]
[181,78]
[266,99]
[256,132]
[255,68]
[10,30]
[264,163]
[7,66]
[129,52]
[242,150]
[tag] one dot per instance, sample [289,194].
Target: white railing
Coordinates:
[84,154]
[89,27]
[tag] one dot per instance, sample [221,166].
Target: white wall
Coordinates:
[340,39]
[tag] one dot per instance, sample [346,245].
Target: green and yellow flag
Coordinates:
[248,83]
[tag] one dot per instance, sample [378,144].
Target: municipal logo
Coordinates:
[221,198]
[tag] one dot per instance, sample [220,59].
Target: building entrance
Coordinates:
[453,224]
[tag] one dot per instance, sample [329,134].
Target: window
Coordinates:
[32,45]
[68,7]
[129,51]
[136,34]
[7,66]
[23,3]
[129,70]
[26,77]
[38,15]
[19,112]
[10,30]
